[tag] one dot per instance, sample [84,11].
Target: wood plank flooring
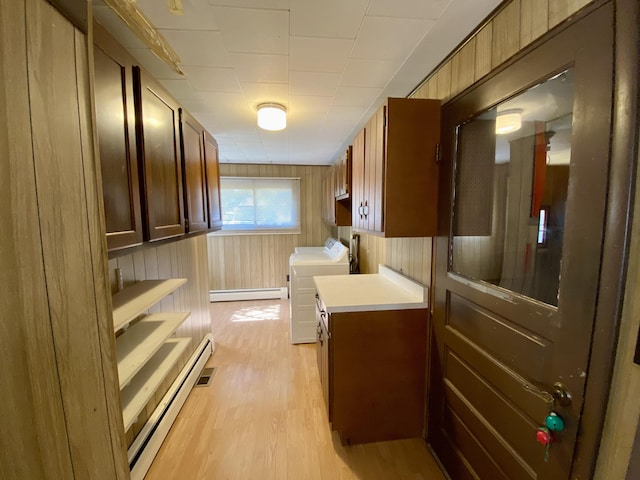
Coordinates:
[263,416]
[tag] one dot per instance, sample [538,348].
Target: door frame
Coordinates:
[618,215]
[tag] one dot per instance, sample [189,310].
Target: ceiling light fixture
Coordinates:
[508,121]
[272,116]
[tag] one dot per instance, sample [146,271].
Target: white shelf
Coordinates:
[142,387]
[138,344]
[134,300]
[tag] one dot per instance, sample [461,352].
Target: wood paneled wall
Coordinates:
[518,24]
[60,412]
[183,259]
[262,261]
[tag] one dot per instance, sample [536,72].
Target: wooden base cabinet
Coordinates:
[372,367]
[395,171]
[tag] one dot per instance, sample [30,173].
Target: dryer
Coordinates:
[328,243]
[303,266]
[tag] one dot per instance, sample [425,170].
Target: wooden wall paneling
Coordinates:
[151,272]
[484,42]
[432,87]
[372,252]
[138,266]
[178,296]
[34,443]
[534,20]
[203,281]
[125,264]
[560,10]
[164,271]
[55,65]
[113,281]
[463,67]
[444,82]
[506,33]
[98,247]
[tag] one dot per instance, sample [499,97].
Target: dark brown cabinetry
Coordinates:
[336,203]
[372,368]
[212,164]
[157,125]
[160,168]
[395,172]
[343,174]
[194,174]
[115,123]
[322,351]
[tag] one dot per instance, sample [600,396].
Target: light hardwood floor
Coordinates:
[263,416]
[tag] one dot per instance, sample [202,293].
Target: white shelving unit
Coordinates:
[141,341]
[139,297]
[145,352]
[135,396]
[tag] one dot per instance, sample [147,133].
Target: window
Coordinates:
[260,205]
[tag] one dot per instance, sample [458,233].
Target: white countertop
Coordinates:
[386,290]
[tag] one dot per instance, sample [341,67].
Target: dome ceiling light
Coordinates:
[508,121]
[272,116]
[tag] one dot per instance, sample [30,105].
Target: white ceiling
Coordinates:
[329,62]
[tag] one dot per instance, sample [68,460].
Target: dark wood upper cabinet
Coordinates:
[115,120]
[343,174]
[194,174]
[395,171]
[157,127]
[213,181]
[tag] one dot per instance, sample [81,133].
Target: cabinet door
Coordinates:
[194,174]
[343,186]
[358,179]
[158,152]
[374,168]
[326,376]
[213,181]
[115,124]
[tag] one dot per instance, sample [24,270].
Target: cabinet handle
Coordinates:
[365,209]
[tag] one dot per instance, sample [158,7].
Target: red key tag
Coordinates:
[544,436]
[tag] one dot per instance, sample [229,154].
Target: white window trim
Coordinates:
[229,231]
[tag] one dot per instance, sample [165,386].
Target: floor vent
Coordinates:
[205,377]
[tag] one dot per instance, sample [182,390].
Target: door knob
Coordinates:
[561,395]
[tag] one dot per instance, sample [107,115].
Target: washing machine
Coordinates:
[303,266]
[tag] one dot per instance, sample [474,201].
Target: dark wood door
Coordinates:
[115,122]
[212,164]
[157,126]
[194,174]
[517,277]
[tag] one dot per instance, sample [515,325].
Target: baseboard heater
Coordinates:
[248,294]
[146,445]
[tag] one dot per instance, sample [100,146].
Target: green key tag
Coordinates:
[554,422]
